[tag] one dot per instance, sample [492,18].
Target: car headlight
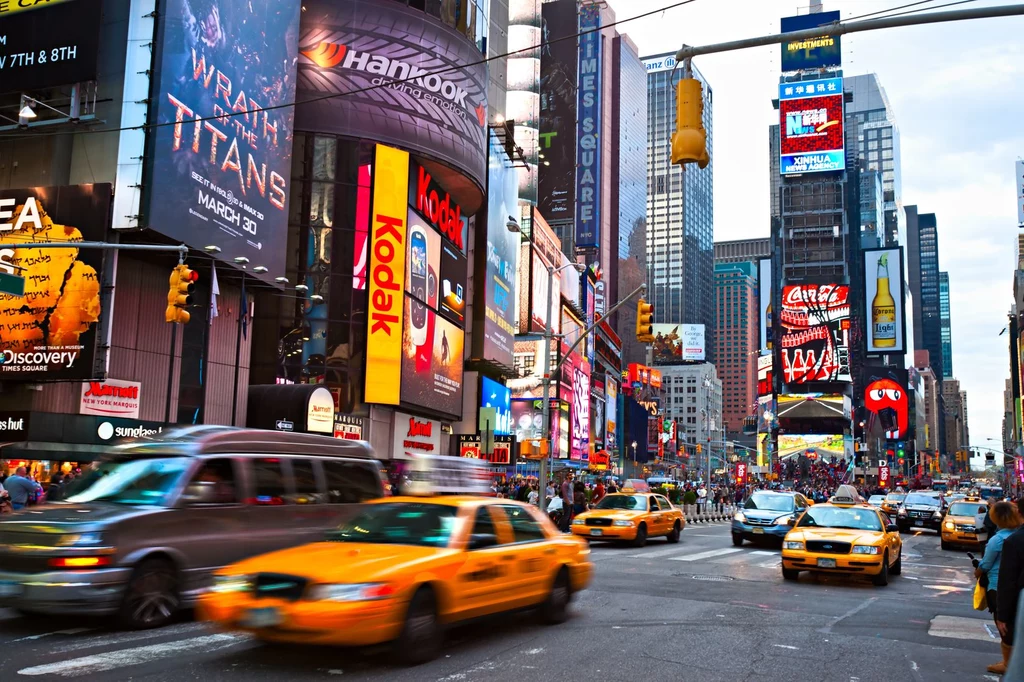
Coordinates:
[865,549]
[783,519]
[225,584]
[740,516]
[948,525]
[91,539]
[937,515]
[901,512]
[578,522]
[790,544]
[622,522]
[351,592]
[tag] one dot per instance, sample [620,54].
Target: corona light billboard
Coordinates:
[883,292]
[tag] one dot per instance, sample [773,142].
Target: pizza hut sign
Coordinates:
[111,398]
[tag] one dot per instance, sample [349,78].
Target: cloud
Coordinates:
[955,90]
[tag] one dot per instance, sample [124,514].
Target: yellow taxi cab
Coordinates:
[632,517]
[964,524]
[845,536]
[401,571]
[891,503]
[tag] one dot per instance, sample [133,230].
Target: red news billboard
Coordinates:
[811,126]
[815,340]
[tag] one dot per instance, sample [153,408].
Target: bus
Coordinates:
[989,491]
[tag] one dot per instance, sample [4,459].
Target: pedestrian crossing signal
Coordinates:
[182,284]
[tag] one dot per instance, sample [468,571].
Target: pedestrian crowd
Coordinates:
[22,489]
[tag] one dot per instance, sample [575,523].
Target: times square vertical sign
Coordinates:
[588,126]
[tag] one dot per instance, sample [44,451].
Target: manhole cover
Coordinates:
[712,578]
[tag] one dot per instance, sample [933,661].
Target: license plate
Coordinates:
[758,531]
[826,563]
[596,531]
[9,588]
[918,523]
[266,617]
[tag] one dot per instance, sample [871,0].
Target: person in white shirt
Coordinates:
[702,497]
[534,496]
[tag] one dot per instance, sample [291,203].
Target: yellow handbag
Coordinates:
[980,600]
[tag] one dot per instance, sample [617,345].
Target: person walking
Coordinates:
[20,488]
[567,500]
[1009,583]
[1006,519]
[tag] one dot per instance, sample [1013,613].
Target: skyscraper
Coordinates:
[743,250]
[680,232]
[947,335]
[736,336]
[923,266]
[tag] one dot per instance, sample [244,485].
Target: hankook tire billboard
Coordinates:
[382,71]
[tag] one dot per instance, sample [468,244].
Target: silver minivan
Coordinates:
[140,533]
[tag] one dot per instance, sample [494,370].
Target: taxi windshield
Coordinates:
[926,500]
[622,502]
[770,502]
[144,481]
[965,509]
[400,523]
[894,497]
[853,518]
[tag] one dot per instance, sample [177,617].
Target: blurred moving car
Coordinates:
[876,501]
[631,517]
[964,526]
[148,525]
[892,503]
[401,571]
[767,514]
[843,536]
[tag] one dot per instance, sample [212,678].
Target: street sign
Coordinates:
[883,476]
[12,284]
[285,425]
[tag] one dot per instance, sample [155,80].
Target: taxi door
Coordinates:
[655,517]
[892,539]
[482,580]
[534,558]
[669,513]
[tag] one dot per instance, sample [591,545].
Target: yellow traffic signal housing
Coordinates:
[690,140]
[699,448]
[179,295]
[644,322]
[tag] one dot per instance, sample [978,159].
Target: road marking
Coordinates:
[656,554]
[122,658]
[72,631]
[786,646]
[852,612]
[770,564]
[762,552]
[958,627]
[707,555]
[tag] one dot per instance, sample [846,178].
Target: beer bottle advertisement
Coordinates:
[885,311]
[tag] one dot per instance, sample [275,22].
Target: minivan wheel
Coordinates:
[421,637]
[151,598]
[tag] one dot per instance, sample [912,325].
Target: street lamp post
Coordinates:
[634,458]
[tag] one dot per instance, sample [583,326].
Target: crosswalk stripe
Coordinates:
[121,658]
[761,552]
[706,555]
[658,553]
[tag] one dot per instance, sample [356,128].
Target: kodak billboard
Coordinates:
[387,276]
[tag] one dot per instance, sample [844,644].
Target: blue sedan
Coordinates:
[767,514]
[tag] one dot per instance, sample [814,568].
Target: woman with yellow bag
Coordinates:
[1007,520]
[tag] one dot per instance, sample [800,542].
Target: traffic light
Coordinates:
[900,450]
[690,141]
[698,448]
[901,461]
[644,322]
[890,454]
[180,294]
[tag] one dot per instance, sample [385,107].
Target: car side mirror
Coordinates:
[892,528]
[482,540]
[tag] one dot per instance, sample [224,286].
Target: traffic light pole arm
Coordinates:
[838,28]
[180,248]
[639,290]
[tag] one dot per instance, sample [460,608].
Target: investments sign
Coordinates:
[588,128]
[811,53]
[811,126]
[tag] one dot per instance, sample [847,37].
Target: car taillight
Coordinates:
[80,562]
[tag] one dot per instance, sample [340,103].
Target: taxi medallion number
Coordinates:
[826,563]
[266,617]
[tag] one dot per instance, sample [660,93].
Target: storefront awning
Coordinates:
[63,452]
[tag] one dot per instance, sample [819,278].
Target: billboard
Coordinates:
[812,446]
[883,294]
[678,343]
[764,375]
[557,143]
[1020,193]
[110,398]
[588,132]
[611,413]
[498,396]
[386,276]
[693,342]
[431,360]
[811,53]
[814,344]
[49,333]
[887,400]
[811,126]
[764,308]
[499,328]
[224,180]
[527,421]
[387,72]
[546,251]
[48,43]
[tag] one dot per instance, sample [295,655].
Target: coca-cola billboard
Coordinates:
[814,344]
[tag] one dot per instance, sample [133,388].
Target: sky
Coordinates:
[957,95]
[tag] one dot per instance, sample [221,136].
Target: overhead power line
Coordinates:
[397,81]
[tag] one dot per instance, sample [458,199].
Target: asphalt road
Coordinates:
[701,610]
